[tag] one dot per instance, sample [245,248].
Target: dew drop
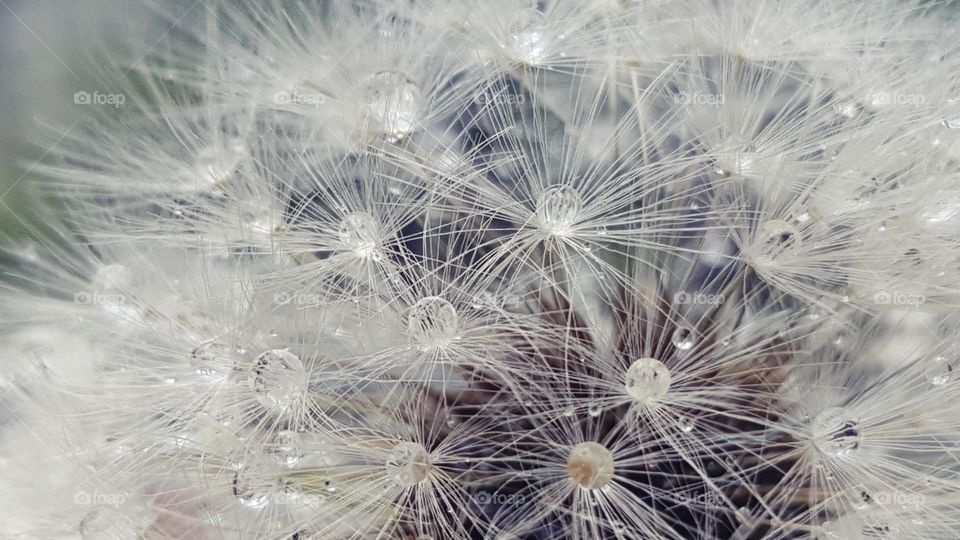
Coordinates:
[408,464]
[105,523]
[213,360]
[647,380]
[683,338]
[559,208]
[590,465]
[287,447]
[685,424]
[215,164]
[393,103]
[528,37]
[255,485]
[594,409]
[836,432]
[432,322]
[358,232]
[939,370]
[278,379]
[952,122]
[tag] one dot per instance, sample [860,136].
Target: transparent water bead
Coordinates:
[216,163]
[559,208]
[528,37]
[432,322]
[408,464]
[255,485]
[647,380]
[735,157]
[590,465]
[287,447]
[358,232]
[213,360]
[683,338]
[777,240]
[279,379]
[108,523]
[940,370]
[836,432]
[393,103]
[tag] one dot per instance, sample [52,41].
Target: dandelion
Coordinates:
[454,270]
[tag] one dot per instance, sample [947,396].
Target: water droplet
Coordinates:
[408,464]
[647,380]
[278,379]
[358,232]
[432,322]
[952,122]
[777,240]
[213,360]
[683,338]
[528,37]
[590,465]
[559,208]
[287,447]
[939,370]
[106,523]
[836,432]
[685,424]
[594,409]
[214,164]
[394,102]
[255,485]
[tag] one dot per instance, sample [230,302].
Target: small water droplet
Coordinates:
[939,370]
[952,122]
[836,432]
[358,232]
[648,379]
[685,424]
[393,104]
[528,37]
[432,322]
[287,447]
[408,464]
[255,485]
[278,379]
[594,409]
[559,208]
[683,338]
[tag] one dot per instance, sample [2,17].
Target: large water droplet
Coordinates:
[394,102]
[279,379]
[528,37]
[590,465]
[559,208]
[105,523]
[214,164]
[408,464]
[647,380]
[358,232]
[836,432]
[432,322]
